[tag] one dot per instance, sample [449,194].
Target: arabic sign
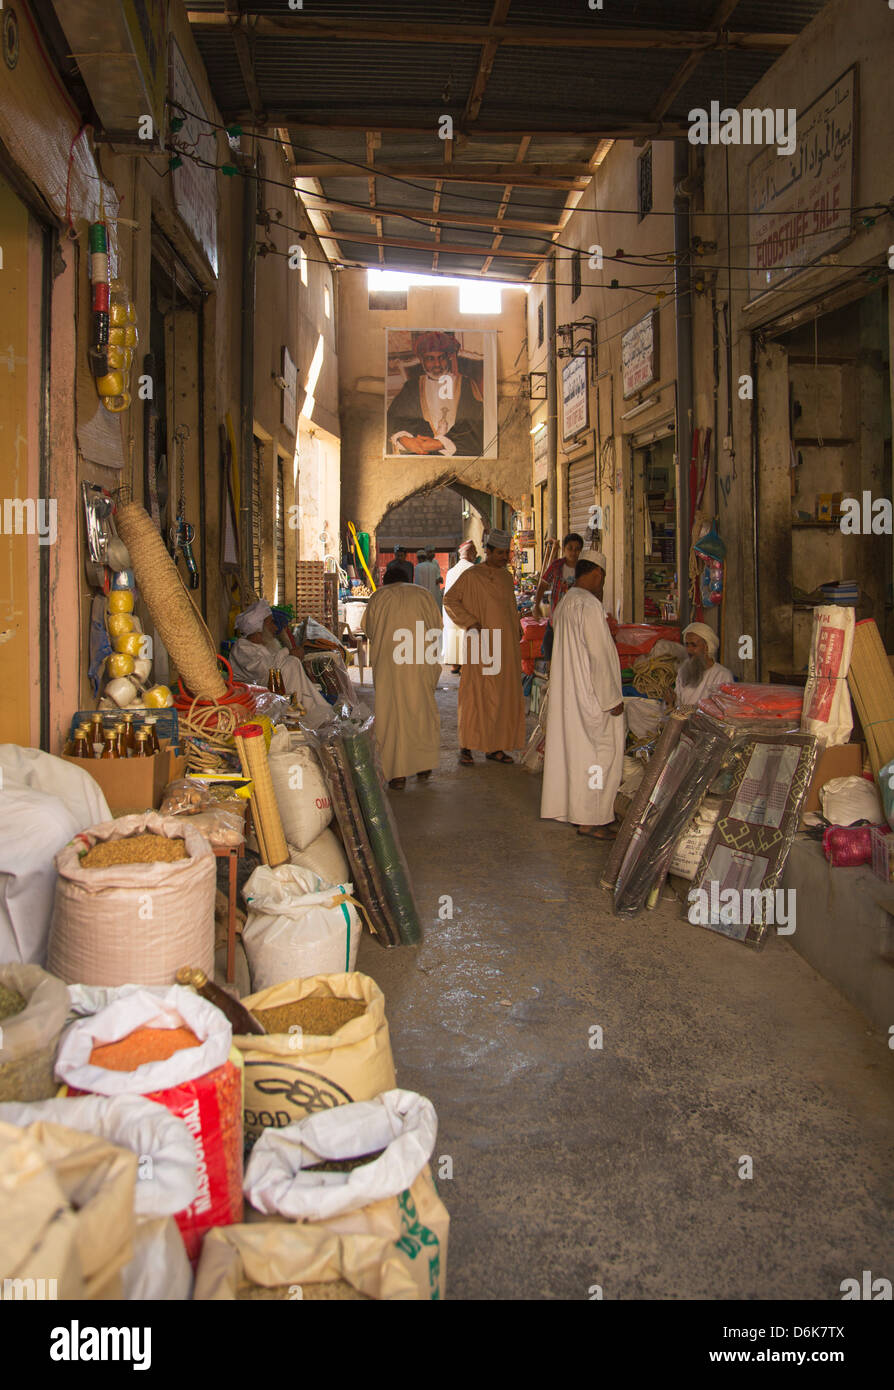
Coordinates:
[800,203]
[575,405]
[290,392]
[639,355]
[541,457]
[195,187]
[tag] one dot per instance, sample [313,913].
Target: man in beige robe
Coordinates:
[403,624]
[453,635]
[491,707]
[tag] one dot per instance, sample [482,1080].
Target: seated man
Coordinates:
[257,649]
[699,673]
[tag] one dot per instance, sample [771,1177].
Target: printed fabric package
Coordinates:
[752,836]
[675,797]
[778,704]
[827,708]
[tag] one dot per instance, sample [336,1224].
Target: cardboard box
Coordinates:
[133,784]
[844,761]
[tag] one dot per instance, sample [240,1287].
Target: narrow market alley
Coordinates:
[575,1166]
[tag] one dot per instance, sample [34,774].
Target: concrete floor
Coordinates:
[574,1166]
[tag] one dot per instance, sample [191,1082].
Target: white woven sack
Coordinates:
[325,857]
[299,786]
[296,927]
[401,1123]
[826,711]
[133,923]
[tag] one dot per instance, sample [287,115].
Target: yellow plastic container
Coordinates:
[159,697]
[130,643]
[121,601]
[119,623]
[119,664]
[112,384]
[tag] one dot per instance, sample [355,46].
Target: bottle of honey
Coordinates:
[143,745]
[130,742]
[238,1014]
[150,724]
[109,744]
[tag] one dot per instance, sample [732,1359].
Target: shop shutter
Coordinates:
[257,493]
[581,495]
[280,534]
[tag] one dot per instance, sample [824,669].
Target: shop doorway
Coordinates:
[825,410]
[655,532]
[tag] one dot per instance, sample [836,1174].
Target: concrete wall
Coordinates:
[597,221]
[372,485]
[428,519]
[842,34]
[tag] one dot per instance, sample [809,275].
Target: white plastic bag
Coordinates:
[135,1006]
[302,795]
[845,800]
[160,1268]
[296,927]
[401,1123]
[166,1175]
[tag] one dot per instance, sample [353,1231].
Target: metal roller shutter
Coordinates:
[257,493]
[580,495]
[280,535]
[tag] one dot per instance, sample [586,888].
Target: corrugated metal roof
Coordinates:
[549,99]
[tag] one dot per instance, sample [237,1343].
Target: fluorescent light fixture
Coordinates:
[638,409]
[541,425]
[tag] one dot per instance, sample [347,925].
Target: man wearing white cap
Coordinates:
[257,649]
[699,673]
[490,702]
[584,753]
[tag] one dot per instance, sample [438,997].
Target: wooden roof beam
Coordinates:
[444,248]
[718,20]
[237,25]
[461,219]
[511,36]
[485,62]
[562,176]
[504,203]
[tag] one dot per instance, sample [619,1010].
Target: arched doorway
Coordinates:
[438,520]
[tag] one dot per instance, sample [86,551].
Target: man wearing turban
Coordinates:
[699,673]
[440,410]
[257,650]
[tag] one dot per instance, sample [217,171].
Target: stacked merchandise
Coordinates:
[845,592]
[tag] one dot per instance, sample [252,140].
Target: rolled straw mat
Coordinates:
[177,620]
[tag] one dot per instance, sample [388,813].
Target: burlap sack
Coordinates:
[28,1040]
[134,923]
[278,1253]
[287,1076]
[325,857]
[66,1213]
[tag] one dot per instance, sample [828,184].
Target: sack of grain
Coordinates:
[160,1268]
[133,923]
[325,857]
[66,1213]
[310,1171]
[300,788]
[296,927]
[164,1146]
[201,1084]
[33,1009]
[275,1260]
[295,1070]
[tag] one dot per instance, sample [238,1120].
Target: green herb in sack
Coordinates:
[343,1165]
[11,1002]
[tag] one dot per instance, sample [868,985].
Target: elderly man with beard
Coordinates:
[440,411]
[257,650]
[699,673]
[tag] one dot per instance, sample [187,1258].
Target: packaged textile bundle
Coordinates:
[668,740]
[677,792]
[638,639]
[734,888]
[827,702]
[360,800]
[780,704]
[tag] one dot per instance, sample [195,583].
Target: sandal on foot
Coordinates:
[499,757]
[397,784]
[465,757]
[423,776]
[597,832]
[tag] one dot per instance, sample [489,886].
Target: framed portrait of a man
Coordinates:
[440,393]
